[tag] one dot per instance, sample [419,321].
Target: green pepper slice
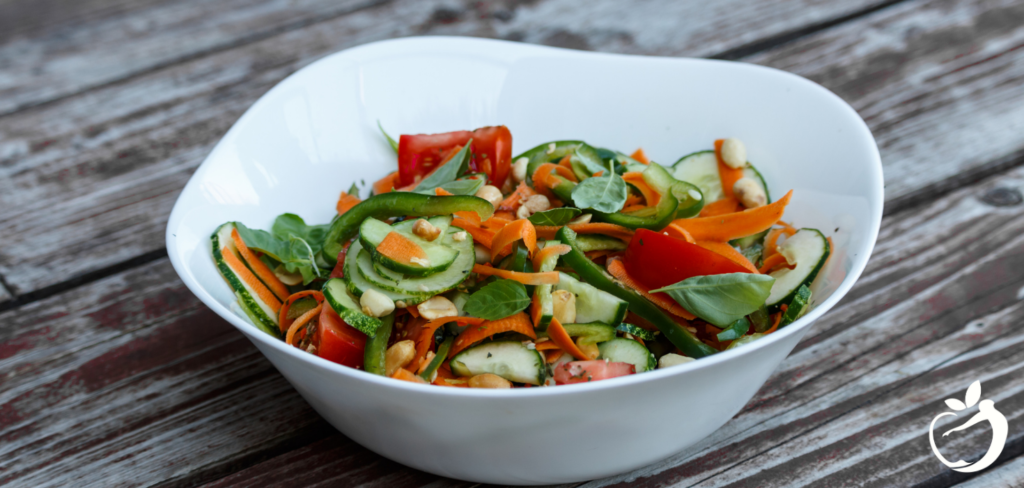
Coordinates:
[439,357]
[544,153]
[377,346]
[397,204]
[594,275]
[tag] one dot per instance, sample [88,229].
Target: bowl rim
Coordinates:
[453,45]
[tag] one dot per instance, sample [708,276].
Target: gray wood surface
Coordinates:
[112,373]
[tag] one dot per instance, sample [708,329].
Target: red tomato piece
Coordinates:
[337,341]
[421,154]
[657,260]
[594,370]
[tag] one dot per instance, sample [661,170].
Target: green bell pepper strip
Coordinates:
[377,346]
[595,276]
[397,204]
[439,357]
[540,155]
[738,329]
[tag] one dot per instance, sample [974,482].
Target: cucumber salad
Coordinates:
[469,267]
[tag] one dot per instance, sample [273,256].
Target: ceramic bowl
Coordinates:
[315,133]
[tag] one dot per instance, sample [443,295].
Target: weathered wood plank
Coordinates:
[1009,475]
[93,46]
[106,166]
[917,306]
[133,367]
[112,43]
[940,83]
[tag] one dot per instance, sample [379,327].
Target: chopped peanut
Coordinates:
[564,306]
[376,304]
[425,230]
[488,380]
[734,153]
[437,307]
[399,355]
[749,193]
[491,194]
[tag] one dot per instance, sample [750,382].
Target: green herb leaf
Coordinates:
[734,331]
[289,225]
[555,216]
[353,190]
[498,300]
[721,299]
[603,193]
[394,143]
[292,251]
[458,187]
[447,172]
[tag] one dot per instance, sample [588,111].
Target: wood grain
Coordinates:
[940,83]
[1009,475]
[106,165]
[927,308]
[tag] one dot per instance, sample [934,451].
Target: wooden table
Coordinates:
[112,373]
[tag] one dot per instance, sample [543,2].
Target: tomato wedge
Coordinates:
[657,260]
[339,342]
[421,154]
[593,370]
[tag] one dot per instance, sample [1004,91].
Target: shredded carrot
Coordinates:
[724,249]
[250,279]
[406,375]
[536,311]
[640,156]
[728,175]
[513,201]
[441,192]
[723,228]
[559,336]
[771,242]
[662,300]
[300,323]
[559,249]
[547,346]
[775,323]
[426,335]
[636,179]
[632,208]
[599,173]
[553,355]
[542,175]
[346,202]
[612,230]
[548,278]
[480,235]
[400,248]
[262,271]
[475,333]
[772,262]
[566,162]
[385,184]
[721,207]
[504,238]
[496,223]
[673,230]
[592,255]
[282,315]
[633,200]
[446,378]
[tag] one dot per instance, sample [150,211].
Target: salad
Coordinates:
[569,263]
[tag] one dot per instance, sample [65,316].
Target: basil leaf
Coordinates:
[447,172]
[734,331]
[292,251]
[289,225]
[458,187]
[394,143]
[721,299]
[353,190]
[498,300]
[555,216]
[602,193]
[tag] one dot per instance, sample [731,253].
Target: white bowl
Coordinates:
[315,133]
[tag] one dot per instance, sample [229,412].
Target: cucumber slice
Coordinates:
[809,249]
[427,286]
[439,256]
[701,169]
[337,296]
[591,333]
[509,359]
[358,285]
[636,331]
[598,242]
[628,351]
[797,307]
[593,305]
[543,292]
[262,315]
